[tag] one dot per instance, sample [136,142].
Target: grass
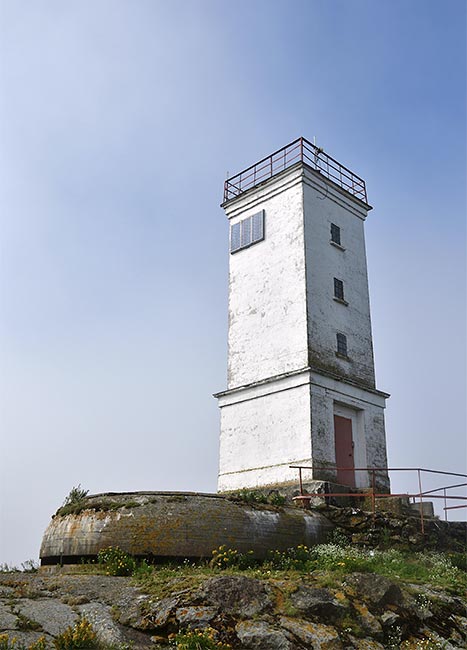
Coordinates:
[103,505]
[328,566]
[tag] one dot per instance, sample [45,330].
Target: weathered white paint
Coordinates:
[285,381]
[267,288]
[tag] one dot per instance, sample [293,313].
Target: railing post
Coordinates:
[422,522]
[300,479]
[445,506]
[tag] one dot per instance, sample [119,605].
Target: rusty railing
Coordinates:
[300,150]
[305,497]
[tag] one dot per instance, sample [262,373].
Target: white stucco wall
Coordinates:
[324,262]
[263,430]
[290,420]
[267,305]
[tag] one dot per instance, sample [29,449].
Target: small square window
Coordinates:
[338,289]
[335,234]
[341,344]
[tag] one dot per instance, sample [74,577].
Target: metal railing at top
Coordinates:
[300,150]
[305,497]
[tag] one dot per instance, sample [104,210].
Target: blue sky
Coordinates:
[118,123]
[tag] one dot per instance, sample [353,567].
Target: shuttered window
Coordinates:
[247,232]
[258,226]
[235,244]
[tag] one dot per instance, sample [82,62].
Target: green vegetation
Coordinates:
[225,558]
[76,502]
[198,640]
[7,643]
[78,636]
[25,623]
[251,496]
[76,495]
[328,564]
[116,562]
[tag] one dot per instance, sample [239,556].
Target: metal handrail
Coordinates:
[374,495]
[300,150]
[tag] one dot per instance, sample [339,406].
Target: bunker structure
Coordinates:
[301,379]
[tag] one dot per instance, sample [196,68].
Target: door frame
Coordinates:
[357,415]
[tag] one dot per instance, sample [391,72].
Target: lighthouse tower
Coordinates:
[301,380]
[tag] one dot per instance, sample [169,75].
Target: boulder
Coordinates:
[314,636]
[51,615]
[378,590]
[236,595]
[314,601]
[195,617]
[100,617]
[259,635]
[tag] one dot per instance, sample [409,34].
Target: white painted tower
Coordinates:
[301,381]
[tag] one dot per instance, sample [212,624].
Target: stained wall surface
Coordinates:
[324,205]
[163,524]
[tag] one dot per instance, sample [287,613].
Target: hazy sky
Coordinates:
[118,122]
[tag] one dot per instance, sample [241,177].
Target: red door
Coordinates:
[344,451]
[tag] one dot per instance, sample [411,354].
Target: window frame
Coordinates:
[339,290]
[342,348]
[334,228]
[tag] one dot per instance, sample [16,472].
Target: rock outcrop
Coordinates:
[365,612]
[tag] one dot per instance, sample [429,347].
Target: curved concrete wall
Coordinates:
[163,524]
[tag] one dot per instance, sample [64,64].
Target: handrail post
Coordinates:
[300,479]
[422,522]
[445,506]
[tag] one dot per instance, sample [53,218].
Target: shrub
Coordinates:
[13,644]
[198,640]
[116,561]
[76,495]
[225,558]
[300,558]
[77,637]
[251,496]
[276,499]
[338,537]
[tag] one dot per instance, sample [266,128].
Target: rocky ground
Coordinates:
[365,611]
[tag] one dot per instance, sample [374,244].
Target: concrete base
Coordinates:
[159,525]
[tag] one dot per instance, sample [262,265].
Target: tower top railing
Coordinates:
[300,150]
